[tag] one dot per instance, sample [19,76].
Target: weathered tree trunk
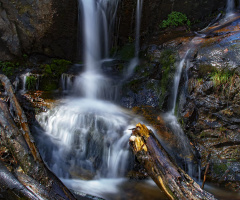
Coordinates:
[23,173]
[175,183]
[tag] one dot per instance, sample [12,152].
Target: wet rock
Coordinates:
[215,105]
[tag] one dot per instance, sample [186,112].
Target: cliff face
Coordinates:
[49,27]
[43,27]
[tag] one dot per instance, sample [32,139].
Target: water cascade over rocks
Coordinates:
[86,136]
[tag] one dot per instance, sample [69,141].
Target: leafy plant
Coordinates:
[31,82]
[220,77]
[56,67]
[7,67]
[175,19]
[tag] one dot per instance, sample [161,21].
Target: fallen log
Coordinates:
[175,183]
[24,175]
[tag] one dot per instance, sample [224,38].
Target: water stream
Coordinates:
[135,61]
[230,7]
[84,139]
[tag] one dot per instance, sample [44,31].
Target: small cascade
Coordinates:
[91,136]
[177,78]
[230,7]
[67,82]
[88,137]
[28,78]
[24,80]
[187,155]
[135,61]
[98,19]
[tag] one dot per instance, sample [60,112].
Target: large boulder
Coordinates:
[42,27]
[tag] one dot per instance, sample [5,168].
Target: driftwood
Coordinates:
[23,173]
[175,183]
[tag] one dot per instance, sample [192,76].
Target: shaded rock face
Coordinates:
[49,27]
[210,113]
[209,100]
[42,27]
[152,81]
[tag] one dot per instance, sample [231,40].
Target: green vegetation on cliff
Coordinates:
[175,19]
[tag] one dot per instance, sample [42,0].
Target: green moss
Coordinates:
[205,70]
[56,68]
[133,85]
[49,86]
[167,60]
[31,82]
[127,52]
[219,168]
[8,67]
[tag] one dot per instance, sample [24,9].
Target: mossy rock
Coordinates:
[31,82]
[127,51]
[48,84]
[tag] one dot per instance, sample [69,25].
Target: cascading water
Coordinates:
[87,138]
[135,61]
[187,155]
[230,7]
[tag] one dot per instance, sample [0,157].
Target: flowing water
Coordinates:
[230,7]
[135,61]
[84,139]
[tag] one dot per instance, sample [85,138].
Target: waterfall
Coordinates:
[88,136]
[97,17]
[177,78]
[230,7]
[135,61]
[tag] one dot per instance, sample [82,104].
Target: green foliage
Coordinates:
[56,67]
[31,82]
[8,67]
[220,77]
[175,19]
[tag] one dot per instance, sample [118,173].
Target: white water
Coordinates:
[85,137]
[24,81]
[66,82]
[89,135]
[230,7]
[177,78]
[135,61]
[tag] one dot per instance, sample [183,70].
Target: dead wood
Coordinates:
[32,178]
[175,183]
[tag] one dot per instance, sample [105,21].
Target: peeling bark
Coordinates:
[175,183]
